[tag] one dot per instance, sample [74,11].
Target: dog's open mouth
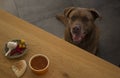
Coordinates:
[77,34]
[77,38]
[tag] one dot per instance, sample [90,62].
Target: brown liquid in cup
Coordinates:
[39,62]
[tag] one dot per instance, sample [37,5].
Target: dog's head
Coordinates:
[81,22]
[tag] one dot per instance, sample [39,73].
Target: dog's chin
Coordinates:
[77,38]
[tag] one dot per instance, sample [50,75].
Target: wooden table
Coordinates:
[66,60]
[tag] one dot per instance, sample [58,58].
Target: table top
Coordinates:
[66,60]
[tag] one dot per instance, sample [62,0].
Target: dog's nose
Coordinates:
[76,30]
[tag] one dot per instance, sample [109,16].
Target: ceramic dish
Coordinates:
[15,53]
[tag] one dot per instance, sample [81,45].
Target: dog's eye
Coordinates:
[73,18]
[85,19]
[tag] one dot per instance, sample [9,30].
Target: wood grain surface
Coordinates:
[66,60]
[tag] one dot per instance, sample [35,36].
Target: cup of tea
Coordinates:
[39,63]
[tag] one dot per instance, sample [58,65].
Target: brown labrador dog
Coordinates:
[80,27]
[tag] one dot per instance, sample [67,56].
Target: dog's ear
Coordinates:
[95,14]
[67,11]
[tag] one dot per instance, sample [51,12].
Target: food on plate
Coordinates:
[15,48]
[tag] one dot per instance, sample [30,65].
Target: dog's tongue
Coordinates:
[77,38]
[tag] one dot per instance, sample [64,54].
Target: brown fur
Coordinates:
[84,18]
